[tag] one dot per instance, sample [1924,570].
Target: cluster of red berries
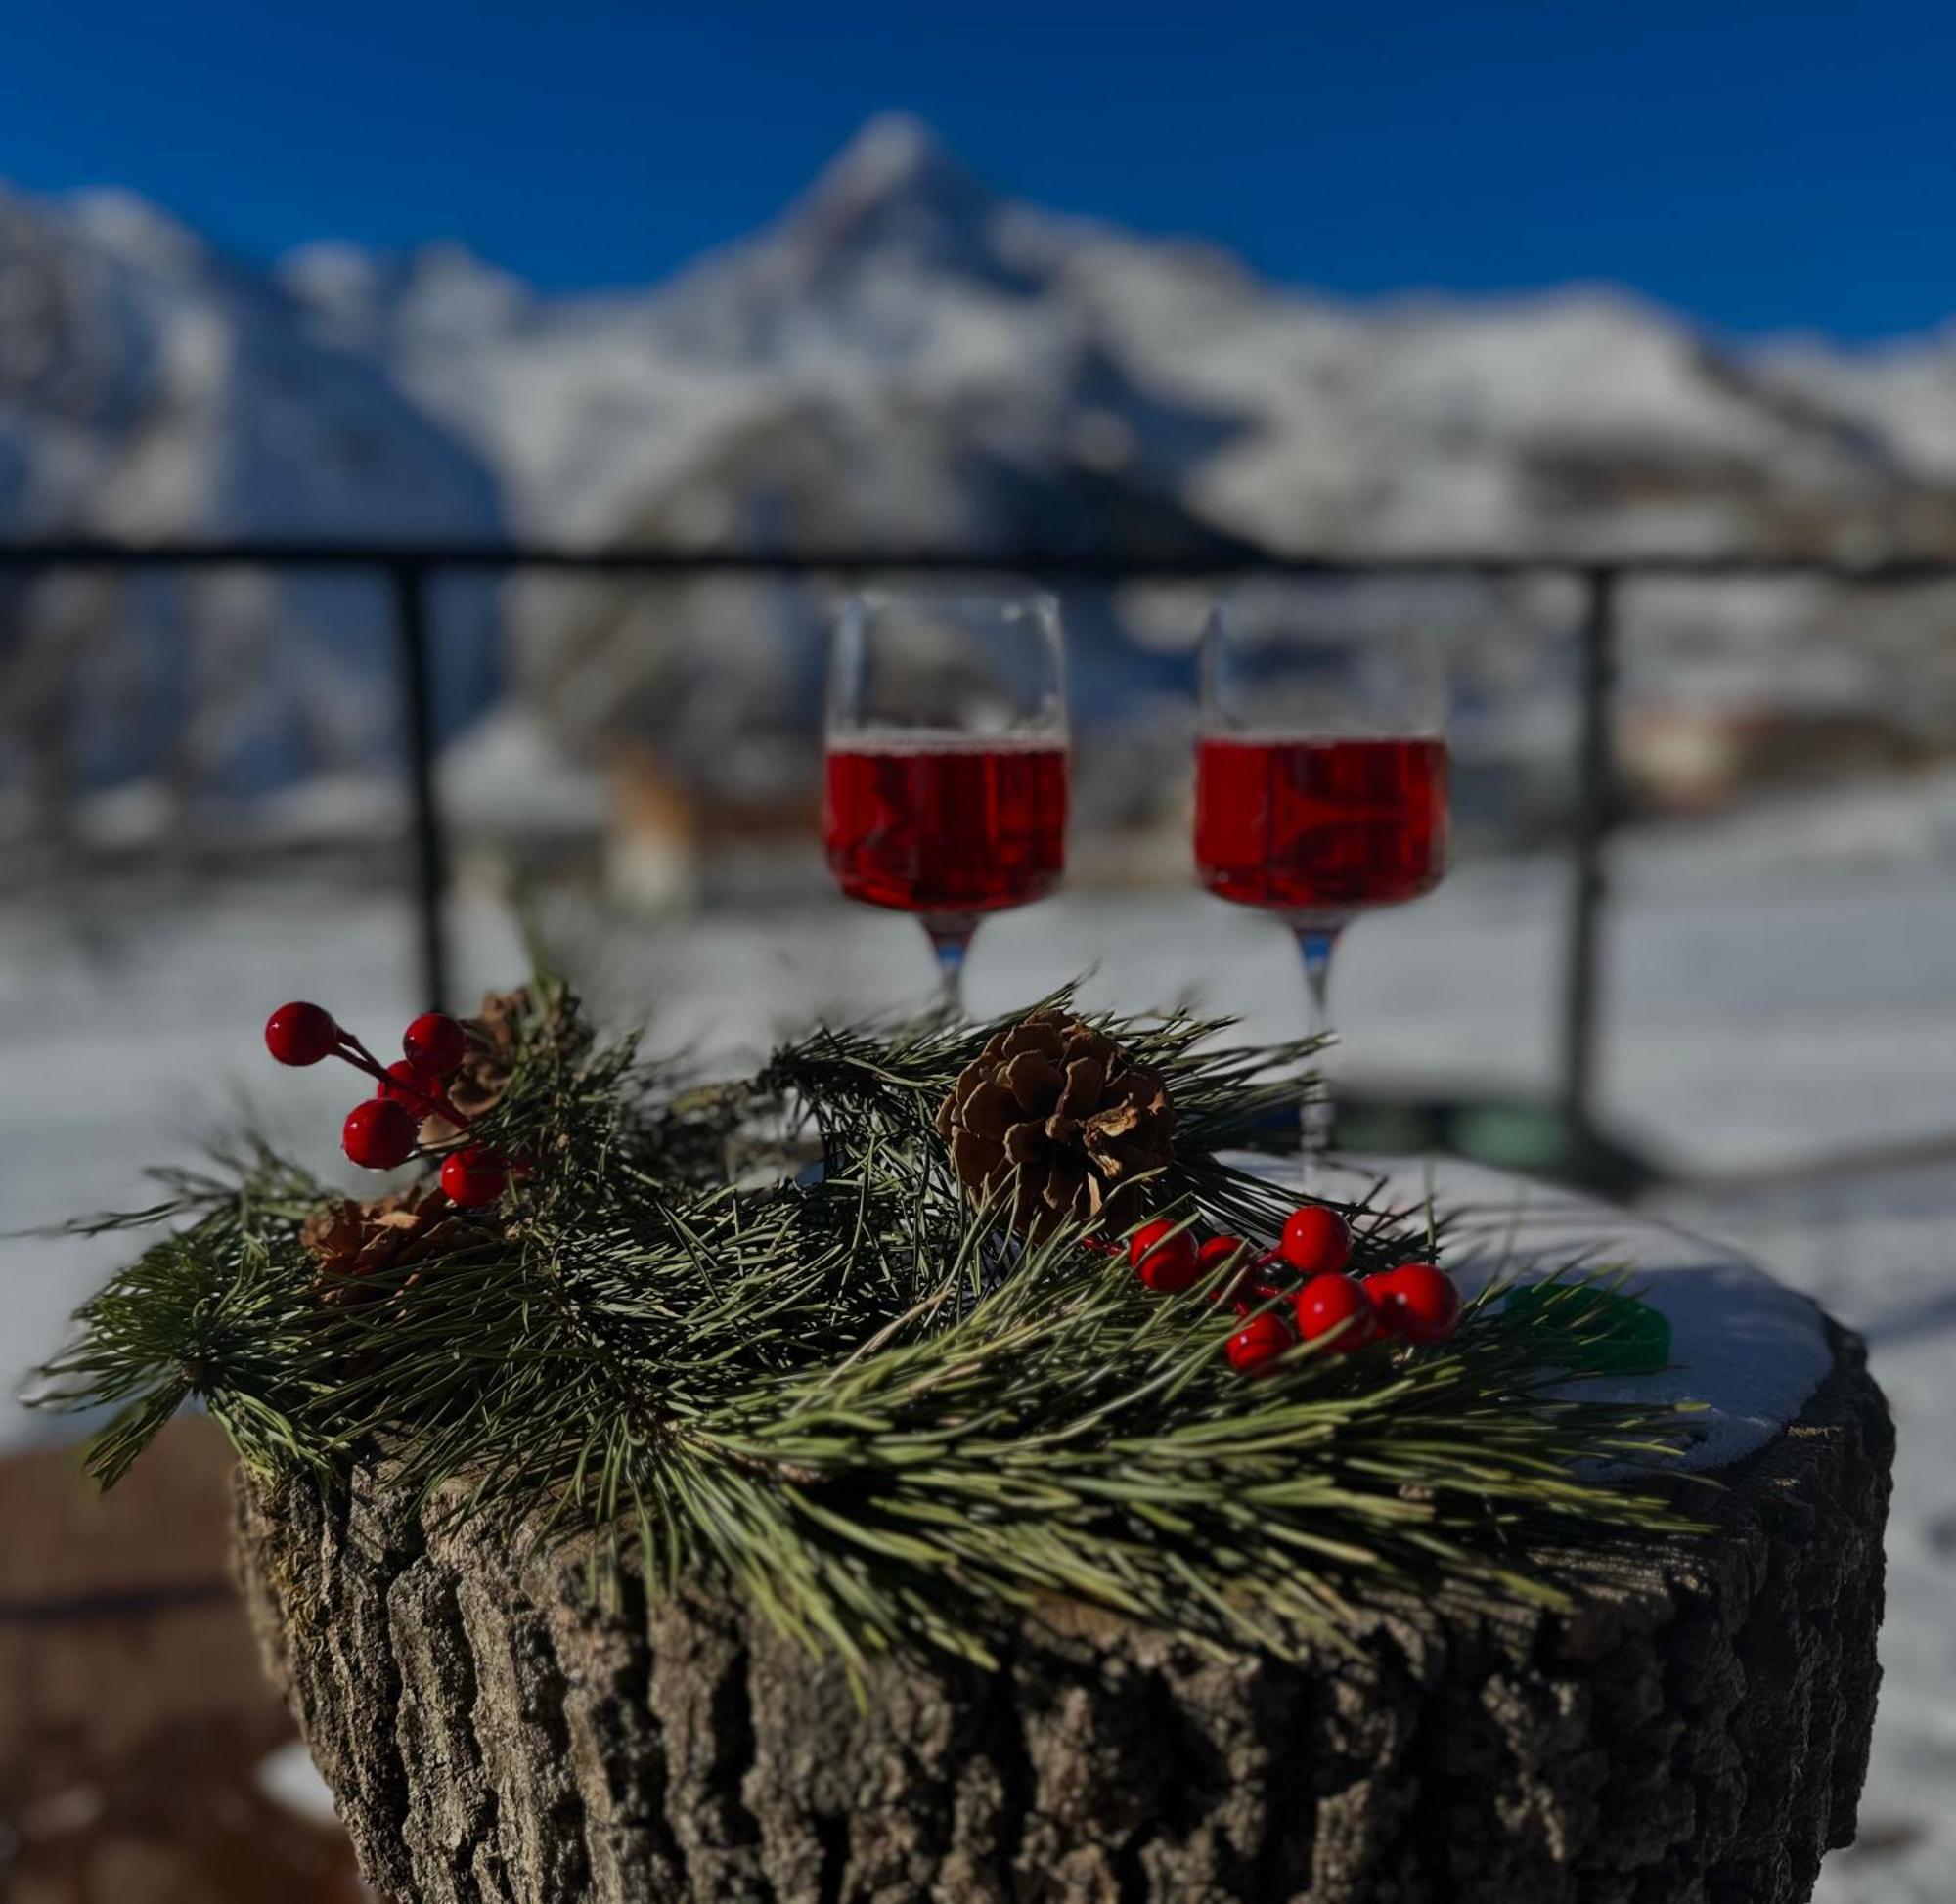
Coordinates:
[1416,1301]
[385,1130]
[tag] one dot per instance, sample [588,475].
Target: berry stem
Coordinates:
[353,1053]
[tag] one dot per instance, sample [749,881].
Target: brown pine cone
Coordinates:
[352,1241]
[1055,1117]
[493,1037]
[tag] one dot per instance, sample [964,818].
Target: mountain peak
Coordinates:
[897,190]
[892,155]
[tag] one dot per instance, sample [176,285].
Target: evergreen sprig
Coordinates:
[753,1329]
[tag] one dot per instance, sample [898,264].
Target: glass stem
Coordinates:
[949,938]
[1315,944]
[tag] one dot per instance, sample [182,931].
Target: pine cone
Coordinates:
[493,1037]
[1054,1114]
[352,1241]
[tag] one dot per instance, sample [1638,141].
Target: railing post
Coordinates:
[1595,814]
[409,580]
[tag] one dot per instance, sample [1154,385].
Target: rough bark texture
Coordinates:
[1695,1733]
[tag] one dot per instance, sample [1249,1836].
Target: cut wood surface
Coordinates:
[1695,1731]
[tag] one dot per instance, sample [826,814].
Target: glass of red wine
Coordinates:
[1321,785]
[947,759]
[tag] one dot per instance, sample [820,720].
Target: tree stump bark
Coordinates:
[1694,1732]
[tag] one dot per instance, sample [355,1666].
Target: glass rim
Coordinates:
[950,594]
[1012,622]
[1210,726]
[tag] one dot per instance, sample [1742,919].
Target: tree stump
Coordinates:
[1694,1732]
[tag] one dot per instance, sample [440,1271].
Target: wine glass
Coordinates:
[947,759]
[1321,785]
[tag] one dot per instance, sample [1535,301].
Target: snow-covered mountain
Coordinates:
[936,346]
[906,355]
[904,358]
[1902,395]
[150,388]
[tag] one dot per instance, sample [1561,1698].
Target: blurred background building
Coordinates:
[205,805]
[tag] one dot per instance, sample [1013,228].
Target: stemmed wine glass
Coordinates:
[1321,785]
[947,759]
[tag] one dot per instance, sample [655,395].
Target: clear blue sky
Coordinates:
[1760,167]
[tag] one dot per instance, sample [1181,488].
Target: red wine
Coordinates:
[946,825]
[1319,827]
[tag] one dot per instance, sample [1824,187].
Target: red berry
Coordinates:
[1335,1302]
[1316,1241]
[1382,1291]
[380,1133]
[1221,1253]
[1163,1257]
[473,1176]
[301,1034]
[1417,1301]
[435,1042]
[408,1084]
[1259,1343]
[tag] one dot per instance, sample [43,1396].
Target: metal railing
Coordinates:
[408,568]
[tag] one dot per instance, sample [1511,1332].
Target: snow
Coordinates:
[506,780]
[1746,1350]
[289,1778]
[171,390]
[1903,393]
[1878,1249]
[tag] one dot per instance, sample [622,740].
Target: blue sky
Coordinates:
[1760,168]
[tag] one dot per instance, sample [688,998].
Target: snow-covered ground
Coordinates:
[1880,1252]
[1772,1011]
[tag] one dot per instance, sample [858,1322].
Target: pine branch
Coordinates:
[852,1391]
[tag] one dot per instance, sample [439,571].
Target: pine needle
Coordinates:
[751,1328]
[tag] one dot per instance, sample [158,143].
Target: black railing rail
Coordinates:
[408,568]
